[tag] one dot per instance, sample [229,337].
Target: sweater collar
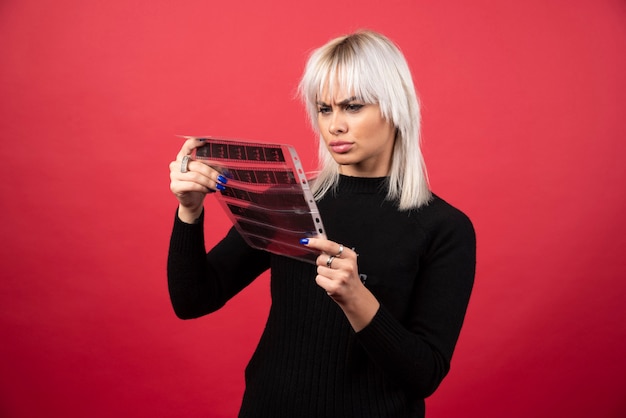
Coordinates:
[362,184]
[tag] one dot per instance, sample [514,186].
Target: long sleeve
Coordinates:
[417,350]
[200,283]
[420,265]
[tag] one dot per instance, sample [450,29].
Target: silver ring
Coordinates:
[330,261]
[340,251]
[184,164]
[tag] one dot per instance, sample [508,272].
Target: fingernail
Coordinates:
[201,139]
[220,187]
[304,241]
[222,179]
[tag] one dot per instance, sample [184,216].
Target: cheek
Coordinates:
[380,129]
[322,126]
[325,136]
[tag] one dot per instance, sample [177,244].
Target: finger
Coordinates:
[330,247]
[333,267]
[181,182]
[332,280]
[206,170]
[180,188]
[188,146]
[204,177]
[327,284]
[198,167]
[325,260]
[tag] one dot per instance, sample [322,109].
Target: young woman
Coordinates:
[368,331]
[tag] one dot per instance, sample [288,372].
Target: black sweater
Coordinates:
[309,362]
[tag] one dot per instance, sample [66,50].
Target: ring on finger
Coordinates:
[338,255]
[184,164]
[330,261]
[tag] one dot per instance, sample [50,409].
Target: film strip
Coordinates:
[267,198]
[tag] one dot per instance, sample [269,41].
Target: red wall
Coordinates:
[524,129]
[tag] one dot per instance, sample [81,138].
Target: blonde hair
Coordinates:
[370,66]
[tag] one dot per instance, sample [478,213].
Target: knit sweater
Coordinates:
[309,362]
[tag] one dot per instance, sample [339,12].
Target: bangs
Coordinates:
[344,74]
[351,67]
[363,65]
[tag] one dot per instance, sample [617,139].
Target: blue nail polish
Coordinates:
[304,241]
[222,179]
[220,187]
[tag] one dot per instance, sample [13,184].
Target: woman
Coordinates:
[369,330]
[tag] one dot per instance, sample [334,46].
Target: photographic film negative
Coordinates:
[267,197]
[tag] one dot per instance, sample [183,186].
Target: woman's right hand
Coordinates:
[190,187]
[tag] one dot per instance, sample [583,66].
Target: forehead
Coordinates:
[335,92]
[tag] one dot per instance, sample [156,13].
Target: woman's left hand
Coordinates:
[338,275]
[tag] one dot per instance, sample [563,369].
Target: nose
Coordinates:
[337,125]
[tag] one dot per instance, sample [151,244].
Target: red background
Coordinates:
[524,129]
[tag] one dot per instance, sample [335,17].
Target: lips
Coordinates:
[340,147]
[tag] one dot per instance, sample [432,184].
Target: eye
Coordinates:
[354,107]
[324,110]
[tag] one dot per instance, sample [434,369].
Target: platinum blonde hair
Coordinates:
[372,68]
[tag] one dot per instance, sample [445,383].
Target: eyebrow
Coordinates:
[341,103]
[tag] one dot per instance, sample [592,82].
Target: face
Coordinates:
[356,134]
